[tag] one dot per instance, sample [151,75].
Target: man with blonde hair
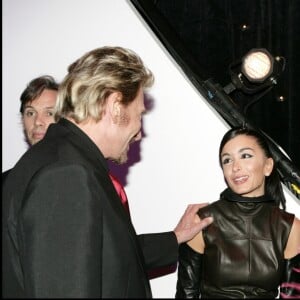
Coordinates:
[65,232]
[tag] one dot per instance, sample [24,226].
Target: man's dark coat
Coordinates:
[65,232]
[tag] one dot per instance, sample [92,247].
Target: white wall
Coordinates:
[178,156]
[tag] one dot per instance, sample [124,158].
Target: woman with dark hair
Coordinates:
[252,246]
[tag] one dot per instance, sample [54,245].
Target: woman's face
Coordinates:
[245,166]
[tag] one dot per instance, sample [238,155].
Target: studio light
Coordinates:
[255,72]
[257,65]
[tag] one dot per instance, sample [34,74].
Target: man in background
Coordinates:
[37,109]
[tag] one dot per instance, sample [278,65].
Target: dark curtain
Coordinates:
[219,32]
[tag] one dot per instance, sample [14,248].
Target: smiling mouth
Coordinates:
[240,180]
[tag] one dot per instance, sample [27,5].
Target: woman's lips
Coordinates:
[240,179]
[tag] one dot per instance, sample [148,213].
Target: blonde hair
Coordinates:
[94,76]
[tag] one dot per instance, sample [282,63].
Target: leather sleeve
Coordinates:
[290,287]
[189,271]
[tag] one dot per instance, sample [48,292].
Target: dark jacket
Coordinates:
[65,232]
[4,175]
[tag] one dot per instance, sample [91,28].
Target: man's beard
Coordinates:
[122,159]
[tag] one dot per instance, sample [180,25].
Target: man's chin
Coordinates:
[122,159]
[34,141]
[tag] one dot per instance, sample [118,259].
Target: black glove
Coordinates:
[189,271]
[290,287]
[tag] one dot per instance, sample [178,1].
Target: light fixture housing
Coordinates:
[257,65]
[256,71]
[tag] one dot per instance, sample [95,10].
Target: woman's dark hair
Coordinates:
[273,187]
[35,88]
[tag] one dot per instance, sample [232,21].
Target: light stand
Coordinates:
[215,94]
[289,174]
[255,74]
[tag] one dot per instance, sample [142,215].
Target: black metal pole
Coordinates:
[217,97]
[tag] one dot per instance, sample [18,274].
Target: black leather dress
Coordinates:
[244,247]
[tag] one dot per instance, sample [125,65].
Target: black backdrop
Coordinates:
[211,34]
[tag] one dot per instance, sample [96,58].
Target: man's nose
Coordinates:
[39,120]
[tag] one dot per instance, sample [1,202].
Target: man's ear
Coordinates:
[116,108]
[269,166]
[114,105]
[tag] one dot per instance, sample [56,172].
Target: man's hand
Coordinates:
[190,224]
